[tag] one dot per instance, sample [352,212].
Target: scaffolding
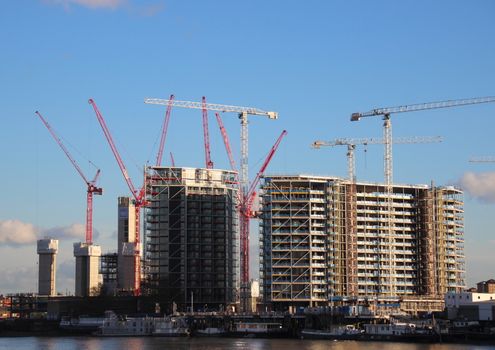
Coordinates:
[294,231]
[351,239]
[377,245]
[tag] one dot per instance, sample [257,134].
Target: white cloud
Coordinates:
[479,185]
[16,232]
[61,232]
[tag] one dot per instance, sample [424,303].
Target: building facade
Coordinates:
[324,240]
[191,237]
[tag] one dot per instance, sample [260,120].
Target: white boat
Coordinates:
[171,327]
[82,324]
[258,329]
[123,326]
[340,332]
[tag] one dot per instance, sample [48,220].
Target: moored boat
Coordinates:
[258,329]
[347,332]
[171,327]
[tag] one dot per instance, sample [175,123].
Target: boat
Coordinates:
[171,327]
[258,329]
[81,325]
[346,332]
[122,326]
[399,331]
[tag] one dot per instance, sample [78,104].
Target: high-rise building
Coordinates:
[87,269]
[47,250]
[126,233]
[324,240]
[191,239]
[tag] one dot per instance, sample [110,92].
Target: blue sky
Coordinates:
[315,63]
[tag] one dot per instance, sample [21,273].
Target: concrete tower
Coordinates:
[87,268]
[47,251]
[126,233]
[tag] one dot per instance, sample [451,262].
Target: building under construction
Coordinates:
[191,237]
[326,240]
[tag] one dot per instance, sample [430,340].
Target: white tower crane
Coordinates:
[243,116]
[482,159]
[351,144]
[387,126]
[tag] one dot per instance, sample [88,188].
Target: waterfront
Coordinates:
[148,343]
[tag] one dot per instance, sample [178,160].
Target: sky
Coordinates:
[313,62]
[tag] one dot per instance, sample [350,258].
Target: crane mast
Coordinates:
[91,185]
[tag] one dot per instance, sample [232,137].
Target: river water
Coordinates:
[150,343]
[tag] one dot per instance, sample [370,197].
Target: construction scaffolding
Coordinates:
[294,233]
[377,246]
[192,235]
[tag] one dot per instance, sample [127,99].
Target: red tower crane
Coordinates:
[164,131]
[138,195]
[92,188]
[247,212]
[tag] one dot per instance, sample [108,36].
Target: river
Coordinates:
[150,343]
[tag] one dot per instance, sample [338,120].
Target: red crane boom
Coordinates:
[164,130]
[138,197]
[92,188]
[226,141]
[209,163]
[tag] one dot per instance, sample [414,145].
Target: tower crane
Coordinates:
[92,189]
[483,159]
[387,126]
[138,195]
[352,143]
[243,113]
